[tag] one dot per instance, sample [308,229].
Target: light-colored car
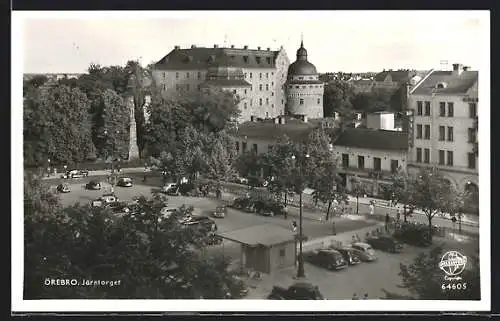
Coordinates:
[166,212]
[364,251]
[170,188]
[76,173]
[124,182]
[109,198]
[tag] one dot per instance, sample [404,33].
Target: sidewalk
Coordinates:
[101,172]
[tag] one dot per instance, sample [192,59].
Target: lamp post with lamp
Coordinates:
[299,188]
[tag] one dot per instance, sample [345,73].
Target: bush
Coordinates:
[413,234]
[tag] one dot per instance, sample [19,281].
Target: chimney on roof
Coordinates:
[258,48]
[177,47]
[268,49]
[232,46]
[466,68]
[216,46]
[245,47]
[193,46]
[457,69]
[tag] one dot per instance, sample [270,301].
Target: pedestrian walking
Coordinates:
[294,226]
[398,215]
[285,212]
[372,208]
[355,296]
[334,229]
[387,219]
[365,297]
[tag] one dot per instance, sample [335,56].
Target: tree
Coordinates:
[322,169]
[34,83]
[337,98]
[220,162]
[400,191]
[430,193]
[153,257]
[57,126]
[425,280]
[358,189]
[114,135]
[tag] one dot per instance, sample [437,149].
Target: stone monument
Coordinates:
[133,148]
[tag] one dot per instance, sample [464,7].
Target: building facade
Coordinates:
[304,90]
[371,155]
[445,106]
[257,77]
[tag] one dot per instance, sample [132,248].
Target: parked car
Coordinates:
[364,251]
[93,185]
[326,258]
[297,291]
[200,221]
[118,207]
[76,173]
[220,211]
[244,203]
[170,189]
[63,188]
[124,182]
[385,243]
[348,254]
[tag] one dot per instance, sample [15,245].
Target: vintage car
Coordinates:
[326,258]
[385,243]
[297,291]
[364,251]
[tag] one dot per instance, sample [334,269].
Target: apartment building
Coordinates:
[445,106]
[256,76]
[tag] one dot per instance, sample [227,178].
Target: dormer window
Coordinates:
[441,85]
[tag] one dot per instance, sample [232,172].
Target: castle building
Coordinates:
[304,90]
[257,77]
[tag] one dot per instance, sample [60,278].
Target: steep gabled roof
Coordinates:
[399,76]
[295,129]
[372,139]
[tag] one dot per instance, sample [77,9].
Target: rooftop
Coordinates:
[227,82]
[372,139]
[265,234]
[399,76]
[202,58]
[454,84]
[295,129]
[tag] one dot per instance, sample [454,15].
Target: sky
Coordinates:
[349,41]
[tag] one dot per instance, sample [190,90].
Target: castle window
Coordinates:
[260,101]
[301,101]
[199,75]
[282,102]
[272,105]
[267,101]
[176,75]
[272,94]
[297,87]
[234,91]
[267,75]
[245,105]
[301,78]
[187,74]
[245,91]
[272,74]
[267,87]
[251,102]
[250,75]
[319,101]
[199,87]
[187,87]
[260,75]
[272,83]
[260,87]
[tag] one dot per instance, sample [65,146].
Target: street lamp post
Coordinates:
[48,167]
[300,269]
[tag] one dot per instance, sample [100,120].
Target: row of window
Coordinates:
[471,157]
[443,130]
[304,87]
[445,109]
[377,163]
[260,75]
[188,75]
[301,101]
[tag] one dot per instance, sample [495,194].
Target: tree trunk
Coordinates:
[286,194]
[404,213]
[429,217]
[328,210]
[357,204]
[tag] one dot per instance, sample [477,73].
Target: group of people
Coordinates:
[355,296]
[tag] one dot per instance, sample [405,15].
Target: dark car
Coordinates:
[244,203]
[93,185]
[63,188]
[297,291]
[200,221]
[220,211]
[385,243]
[326,258]
[349,256]
[124,182]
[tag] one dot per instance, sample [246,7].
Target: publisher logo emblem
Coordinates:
[453,263]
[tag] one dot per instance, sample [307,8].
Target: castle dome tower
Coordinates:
[304,90]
